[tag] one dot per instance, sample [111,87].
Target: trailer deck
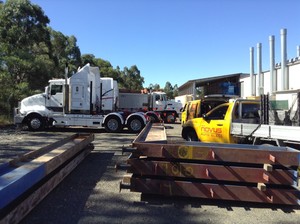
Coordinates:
[288,133]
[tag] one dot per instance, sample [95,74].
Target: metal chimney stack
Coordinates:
[252,79]
[284,75]
[260,89]
[273,77]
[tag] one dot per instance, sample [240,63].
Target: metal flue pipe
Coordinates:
[260,89]
[252,80]
[298,51]
[273,77]
[284,75]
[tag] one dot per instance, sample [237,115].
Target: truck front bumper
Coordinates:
[18,118]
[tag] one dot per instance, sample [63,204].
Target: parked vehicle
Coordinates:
[84,99]
[196,108]
[239,121]
[157,102]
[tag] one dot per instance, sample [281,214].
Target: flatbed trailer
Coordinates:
[282,135]
[267,131]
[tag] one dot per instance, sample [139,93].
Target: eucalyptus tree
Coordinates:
[169,90]
[64,51]
[131,78]
[23,35]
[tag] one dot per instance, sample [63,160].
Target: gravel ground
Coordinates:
[90,194]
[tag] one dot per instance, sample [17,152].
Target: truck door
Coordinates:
[159,101]
[54,99]
[184,113]
[214,127]
[193,110]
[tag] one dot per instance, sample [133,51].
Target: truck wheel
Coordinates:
[191,136]
[135,124]
[35,123]
[113,124]
[170,118]
[153,119]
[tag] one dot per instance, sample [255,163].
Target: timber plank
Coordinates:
[22,209]
[17,180]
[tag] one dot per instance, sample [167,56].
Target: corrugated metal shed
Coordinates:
[224,84]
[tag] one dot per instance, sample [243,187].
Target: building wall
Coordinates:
[188,90]
[293,71]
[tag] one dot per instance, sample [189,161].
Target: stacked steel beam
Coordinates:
[26,180]
[263,174]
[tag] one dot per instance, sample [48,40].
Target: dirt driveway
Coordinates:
[90,194]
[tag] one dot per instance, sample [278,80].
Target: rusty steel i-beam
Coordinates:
[237,172]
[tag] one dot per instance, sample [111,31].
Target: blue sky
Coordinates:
[177,40]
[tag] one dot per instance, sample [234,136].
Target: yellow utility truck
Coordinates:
[239,121]
[196,108]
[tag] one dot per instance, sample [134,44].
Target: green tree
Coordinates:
[175,91]
[106,69]
[169,90]
[23,35]
[88,58]
[131,79]
[64,50]
[154,87]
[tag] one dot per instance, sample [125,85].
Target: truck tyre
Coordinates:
[171,118]
[153,118]
[35,123]
[135,124]
[113,124]
[191,136]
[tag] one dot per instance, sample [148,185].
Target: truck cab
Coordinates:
[215,125]
[196,108]
[158,101]
[54,95]
[168,109]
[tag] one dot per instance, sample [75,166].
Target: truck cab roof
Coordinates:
[57,81]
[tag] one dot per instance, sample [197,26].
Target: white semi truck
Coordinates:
[84,99]
[156,101]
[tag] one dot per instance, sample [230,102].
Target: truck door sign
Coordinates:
[211,132]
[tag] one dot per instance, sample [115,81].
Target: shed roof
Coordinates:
[200,82]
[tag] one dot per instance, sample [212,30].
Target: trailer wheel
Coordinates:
[35,123]
[135,124]
[113,124]
[191,136]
